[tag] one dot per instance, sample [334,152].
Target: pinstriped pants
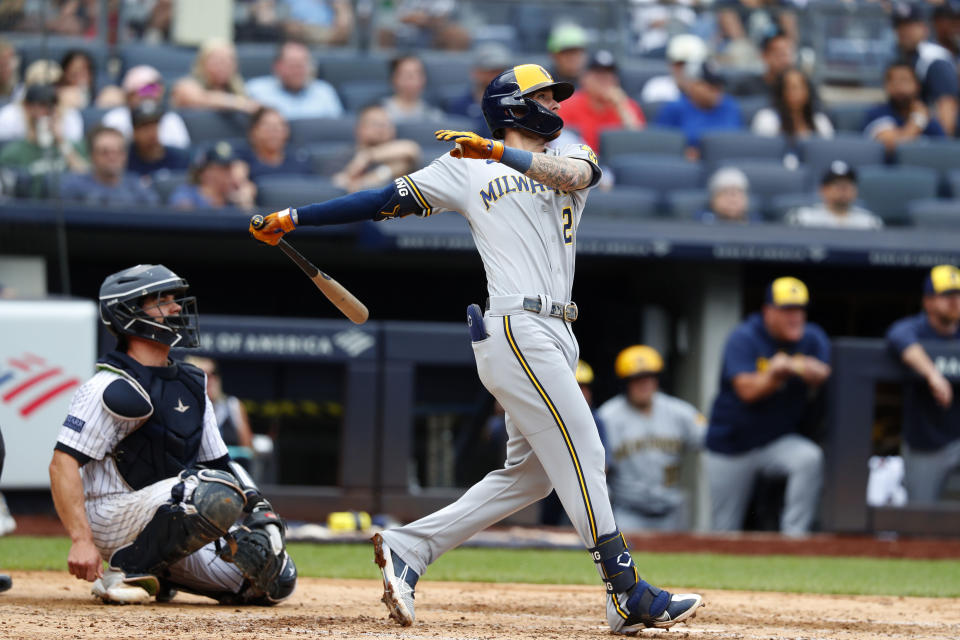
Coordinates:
[118,519]
[527,363]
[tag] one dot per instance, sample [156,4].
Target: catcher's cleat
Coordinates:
[647,606]
[115,587]
[399,581]
[5,582]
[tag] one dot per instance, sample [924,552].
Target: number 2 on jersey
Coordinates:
[567,225]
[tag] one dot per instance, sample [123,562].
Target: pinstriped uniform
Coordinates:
[117,513]
[525,233]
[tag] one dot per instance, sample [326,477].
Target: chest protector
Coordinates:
[169,440]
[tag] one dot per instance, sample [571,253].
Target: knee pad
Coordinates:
[184,525]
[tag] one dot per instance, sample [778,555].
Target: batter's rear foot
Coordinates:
[399,581]
[646,606]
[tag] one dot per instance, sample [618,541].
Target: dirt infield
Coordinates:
[47,605]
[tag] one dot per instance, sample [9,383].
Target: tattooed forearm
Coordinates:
[566,174]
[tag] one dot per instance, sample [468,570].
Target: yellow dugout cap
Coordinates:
[584,373]
[638,360]
[788,292]
[944,278]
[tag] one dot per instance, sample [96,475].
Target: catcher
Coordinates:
[140,475]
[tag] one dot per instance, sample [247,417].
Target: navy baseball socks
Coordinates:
[632,603]
[399,581]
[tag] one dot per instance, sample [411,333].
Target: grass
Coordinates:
[866,576]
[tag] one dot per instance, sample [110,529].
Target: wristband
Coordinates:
[517,159]
[919,120]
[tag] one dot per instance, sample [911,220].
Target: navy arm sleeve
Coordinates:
[372,204]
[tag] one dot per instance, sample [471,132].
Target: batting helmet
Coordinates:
[638,360]
[584,373]
[505,103]
[121,306]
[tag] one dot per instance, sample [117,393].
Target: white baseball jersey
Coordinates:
[93,431]
[524,230]
[646,450]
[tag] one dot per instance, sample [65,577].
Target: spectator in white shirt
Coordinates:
[13,116]
[144,83]
[793,113]
[683,48]
[292,89]
[836,209]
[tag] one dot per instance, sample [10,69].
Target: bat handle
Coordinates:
[257,222]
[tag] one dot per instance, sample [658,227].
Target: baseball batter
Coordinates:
[648,433]
[140,476]
[523,202]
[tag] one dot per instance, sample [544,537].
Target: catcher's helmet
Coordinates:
[121,306]
[505,103]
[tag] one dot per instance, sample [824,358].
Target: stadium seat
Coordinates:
[276,192]
[848,118]
[779,205]
[622,202]
[170,61]
[683,204]
[635,72]
[356,95]
[339,68]
[719,147]
[422,132]
[856,151]
[255,59]
[749,105]
[54,47]
[616,142]
[166,182]
[887,190]
[329,157]
[936,214]
[650,109]
[207,126]
[663,173]
[953,180]
[768,180]
[92,116]
[447,69]
[311,130]
[941,156]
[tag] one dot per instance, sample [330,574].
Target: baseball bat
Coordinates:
[335,292]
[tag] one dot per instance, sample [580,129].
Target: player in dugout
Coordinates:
[931,417]
[648,433]
[523,201]
[140,475]
[771,363]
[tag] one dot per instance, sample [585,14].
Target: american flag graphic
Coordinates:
[27,383]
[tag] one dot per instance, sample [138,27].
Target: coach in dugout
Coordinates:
[771,363]
[931,419]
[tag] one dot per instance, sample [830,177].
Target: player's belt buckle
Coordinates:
[570,312]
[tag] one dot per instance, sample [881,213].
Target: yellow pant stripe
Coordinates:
[559,421]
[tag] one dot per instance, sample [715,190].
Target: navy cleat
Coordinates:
[399,581]
[647,606]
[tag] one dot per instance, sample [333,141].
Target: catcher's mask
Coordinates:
[122,298]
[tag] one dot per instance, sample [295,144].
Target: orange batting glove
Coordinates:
[470,145]
[270,229]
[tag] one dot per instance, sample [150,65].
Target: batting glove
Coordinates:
[271,229]
[470,145]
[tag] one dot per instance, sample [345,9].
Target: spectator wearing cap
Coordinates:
[217,180]
[567,45]
[293,89]
[489,61]
[43,150]
[408,77]
[108,182]
[142,83]
[67,121]
[147,153]
[729,198]
[933,65]
[703,106]
[836,209]
[648,434]
[779,53]
[794,112]
[214,82]
[773,362]
[601,103]
[931,418]
[904,117]
[268,154]
[683,49]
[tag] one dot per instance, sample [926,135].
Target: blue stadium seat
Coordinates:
[635,72]
[622,202]
[329,157]
[170,61]
[721,147]
[616,142]
[53,48]
[446,70]
[953,179]
[206,126]
[768,180]
[663,173]
[683,204]
[311,130]
[255,58]
[848,118]
[166,182]
[92,116]
[857,151]
[343,67]
[356,95]
[276,192]
[935,214]
[887,190]
[941,156]
[778,206]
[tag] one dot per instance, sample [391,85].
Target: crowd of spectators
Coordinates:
[739,69]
